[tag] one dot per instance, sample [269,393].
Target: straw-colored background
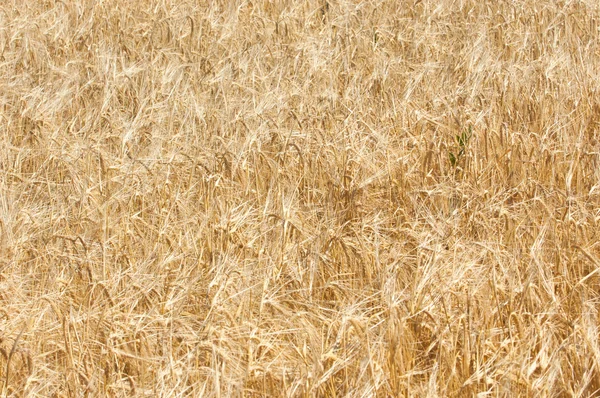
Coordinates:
[268,198]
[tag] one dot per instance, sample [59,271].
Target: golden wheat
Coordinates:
[314,198]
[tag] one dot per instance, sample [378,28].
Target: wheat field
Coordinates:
[271,198]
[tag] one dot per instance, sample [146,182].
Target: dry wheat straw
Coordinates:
[256,198]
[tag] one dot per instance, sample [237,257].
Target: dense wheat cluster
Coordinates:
[307,199]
